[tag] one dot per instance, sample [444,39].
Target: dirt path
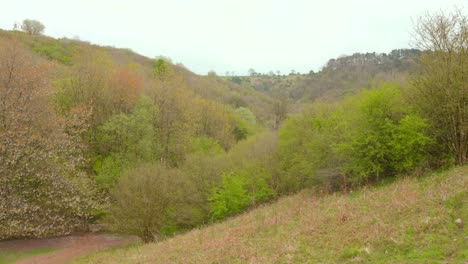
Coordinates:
[68,247]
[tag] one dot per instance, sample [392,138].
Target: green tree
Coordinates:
[386,138]
[175,124]
[307,148]
[86,83]
[124,141]
[247,115]
[363,138]
[214,120]
[230,197]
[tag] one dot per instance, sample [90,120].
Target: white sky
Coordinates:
[232,35]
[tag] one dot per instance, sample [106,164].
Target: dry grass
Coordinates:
[410,221]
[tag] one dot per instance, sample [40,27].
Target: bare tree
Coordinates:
[441,88]
[280,110]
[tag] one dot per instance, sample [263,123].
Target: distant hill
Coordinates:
[337,78]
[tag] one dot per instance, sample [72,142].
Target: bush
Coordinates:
[257,179]
[239,190]
[229,198]
[146,200]
[307,154]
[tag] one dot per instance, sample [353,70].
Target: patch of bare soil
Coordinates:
[68,247]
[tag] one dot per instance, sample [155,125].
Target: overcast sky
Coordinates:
[233,35]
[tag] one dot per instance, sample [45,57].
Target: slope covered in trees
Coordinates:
[94,134]
[339,77]
[76,116]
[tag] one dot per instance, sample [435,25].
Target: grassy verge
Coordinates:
[8,256]
[409,221]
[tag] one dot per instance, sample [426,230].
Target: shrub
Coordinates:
[230,197]
[386,138]
[307,153]
[239,190]
[146,199]
[257,179]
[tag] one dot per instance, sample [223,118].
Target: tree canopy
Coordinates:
[32,27]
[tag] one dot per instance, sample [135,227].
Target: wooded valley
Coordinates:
[143,146]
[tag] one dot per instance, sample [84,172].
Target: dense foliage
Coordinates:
[147,198]
[363,138]
[43,189]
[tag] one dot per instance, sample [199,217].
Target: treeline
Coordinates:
[338,77]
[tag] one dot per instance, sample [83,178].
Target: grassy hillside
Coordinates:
[408,221]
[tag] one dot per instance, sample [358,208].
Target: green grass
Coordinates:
[408,221]
[11,255]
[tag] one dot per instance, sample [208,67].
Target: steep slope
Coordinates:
[99,112]
[65,52]
[414,220]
